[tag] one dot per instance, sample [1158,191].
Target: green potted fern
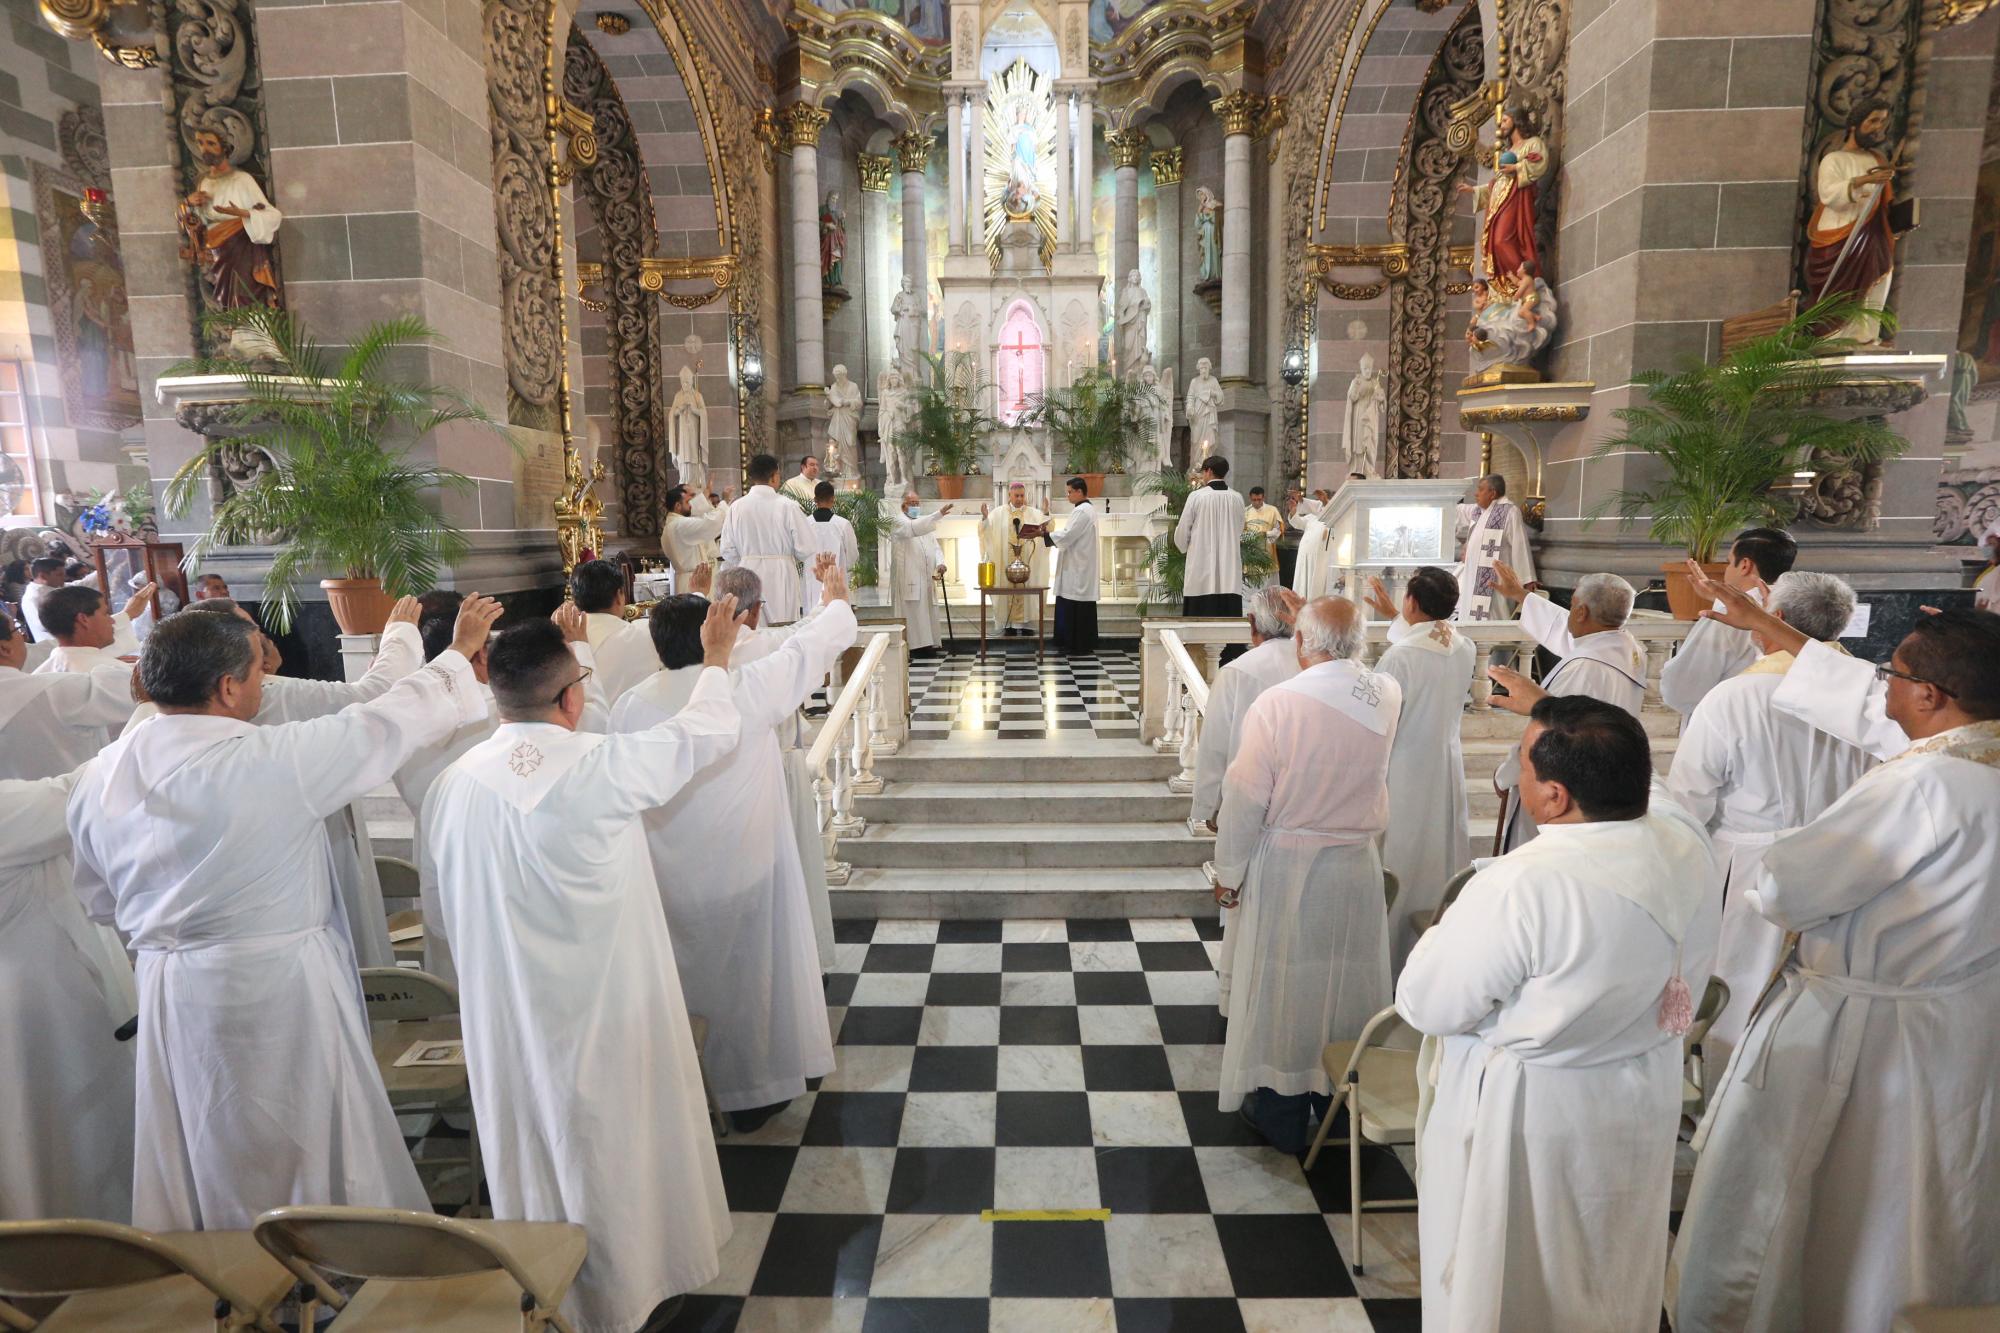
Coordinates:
[1100,420]
[947,429]
[344,493]
[1731,435]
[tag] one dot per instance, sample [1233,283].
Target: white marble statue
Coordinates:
[1361,427]
[843,423]
[687,432]
[1161,383]
[908,309]
[1204,411]
[894,406]
[1135,308]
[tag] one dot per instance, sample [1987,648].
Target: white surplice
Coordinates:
[585,1079]
[728,870]
[1711,653]
[1546,1153]
[206,840]
[769,534]
[1498,534]
[1846,1163]
[834,536]
[1077,555]
[1429,838]
[1236,686]
[688,540]
[1302,806]
[916,560]
[1210,531]
[51,722]
[1753,775]
[623,659]
[1608,665]
[1309,572]
[65,1080]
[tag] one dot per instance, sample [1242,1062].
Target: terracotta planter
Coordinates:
[951,485]
[359,606]
[1682,599]
[1093,483]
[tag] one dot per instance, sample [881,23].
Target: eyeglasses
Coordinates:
[572,685]
[1884,671]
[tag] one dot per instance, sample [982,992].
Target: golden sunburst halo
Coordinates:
[1020,121]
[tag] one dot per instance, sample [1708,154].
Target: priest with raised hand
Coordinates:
[1553,998]
[741,924]
[1755,774]
[915,562]
[52,722]
[1497,536]
[1076,572]
[1846,1164]
[1599,658]
[1713,652]
[768,533]
[690,528]
[1002,541]
[79,618]
[65,1079]
[1429,837]
[1302,806]
[585,1077]
[1272,660]
[204,838]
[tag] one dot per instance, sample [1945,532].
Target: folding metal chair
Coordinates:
[109,1276]
[1694,1078]
[1423,920]
[423,1271]
[406,1007]
[1384,1115]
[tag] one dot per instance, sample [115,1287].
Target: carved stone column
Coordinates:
[1239,112]
[1086,167]
[877,174]
[801,125]
[1128,151]
[975,186]
[1166,166]
[1065,183]
[913,153]
[954,137]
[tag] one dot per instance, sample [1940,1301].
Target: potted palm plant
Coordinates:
[1731,435]
[947,429]
[343,492]
[1100,420]
[1167,563]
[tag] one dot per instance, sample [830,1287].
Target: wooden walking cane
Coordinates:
[944,594]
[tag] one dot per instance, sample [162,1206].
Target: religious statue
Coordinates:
[1964,379]
[832,240]
[843,422]
[908,310]
[1134,309]
[1160,383]
[1510,326]
[1208,234]
[894,406]
[1506,203]
[687,432]
[1022,159]
[1851,238]
[1204,409]
[578,537]
[1361,426]
[229,227]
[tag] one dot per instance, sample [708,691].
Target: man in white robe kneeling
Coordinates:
[740,918]
[1551,992]
[1272,660]
[205,839]
[585,1078]
[1847,1165]
[1302,806]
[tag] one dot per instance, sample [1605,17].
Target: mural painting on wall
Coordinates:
[1109,18]
[927,20]
[87,302]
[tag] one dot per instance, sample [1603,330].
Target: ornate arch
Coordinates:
[520,84]
[615,189]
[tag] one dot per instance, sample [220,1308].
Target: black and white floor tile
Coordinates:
[991,1073]
[1013,697]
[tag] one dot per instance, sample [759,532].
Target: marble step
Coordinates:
[1026,846]
[1050,801]
[989,762]
[985,894]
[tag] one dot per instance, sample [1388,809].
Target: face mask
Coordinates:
[911,510]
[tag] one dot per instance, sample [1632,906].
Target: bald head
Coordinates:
[1328,629]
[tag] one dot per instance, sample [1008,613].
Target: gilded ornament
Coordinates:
[617,25]
[801,124]
[1128,147]
[1274,117]
[1167,166]
[1239,111]
[876,172]
[913,151]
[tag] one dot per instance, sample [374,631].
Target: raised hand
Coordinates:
[821,564]
[476,615]
[1289,604]
[718,632]
[702,579]
[1522,693]
[985,509]
[947,509]
[572,622]
[140,600]
[406,611]
[832,582]
[1507,583]
[1378,598]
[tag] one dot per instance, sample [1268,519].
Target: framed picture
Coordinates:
[87,301]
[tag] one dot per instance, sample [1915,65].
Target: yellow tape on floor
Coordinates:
[1045,1215]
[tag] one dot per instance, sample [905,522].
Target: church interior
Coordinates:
[1551,334]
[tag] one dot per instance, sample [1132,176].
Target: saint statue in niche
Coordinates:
[1506,203]
[687,432]
[1208,234]
[843,422]
[832,240]
[1361,425]
[1204,411]
[1851,239]
[1134,309]
[229,228]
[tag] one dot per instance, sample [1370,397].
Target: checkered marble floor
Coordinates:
[1025,1066]
[1013,697]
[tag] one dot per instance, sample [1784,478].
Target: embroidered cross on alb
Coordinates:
[1366,689]
[524,760]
